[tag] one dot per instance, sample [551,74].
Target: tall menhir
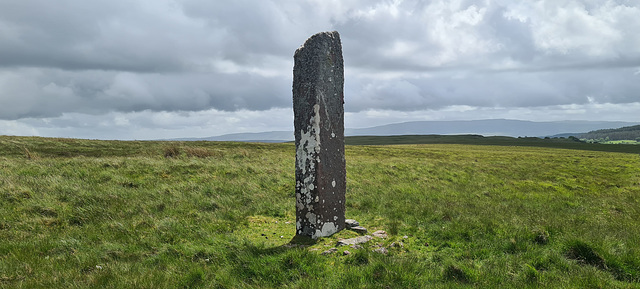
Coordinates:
[318,99]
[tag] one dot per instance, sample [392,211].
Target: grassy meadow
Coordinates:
[142,214]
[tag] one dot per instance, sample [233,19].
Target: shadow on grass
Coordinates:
[623,269]
[274,266]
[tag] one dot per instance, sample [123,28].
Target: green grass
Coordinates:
[626,142]
[564,143]
[111,214]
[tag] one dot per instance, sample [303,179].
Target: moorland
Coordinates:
[156,214]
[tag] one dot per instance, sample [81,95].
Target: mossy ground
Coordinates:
[109,214]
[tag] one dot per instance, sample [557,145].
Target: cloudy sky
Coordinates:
[150,69]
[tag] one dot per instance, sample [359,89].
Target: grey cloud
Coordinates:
[509,68]
[250,27]
[514,36]
[104,35]
[97,57]
[191,92]
[421,36]
[48,93]
[100,56]
[150,125]
[515,89]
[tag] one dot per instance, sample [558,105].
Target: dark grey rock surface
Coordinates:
[318,105]
[330,251]
[349,223]
[355,241]
[359,229]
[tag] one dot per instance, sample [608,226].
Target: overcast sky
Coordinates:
[151,69]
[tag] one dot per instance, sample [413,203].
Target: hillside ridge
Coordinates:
[623,133]
[486,127]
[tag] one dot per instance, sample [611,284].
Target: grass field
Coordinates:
[564,143]
[626,142]
[113,214]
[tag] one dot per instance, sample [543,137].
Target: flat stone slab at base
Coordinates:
[350,223]
[380,234]
[355,241]
[359,229]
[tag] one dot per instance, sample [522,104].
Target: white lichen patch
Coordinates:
[327,229]
[311,217]
[299,201]
[307,154]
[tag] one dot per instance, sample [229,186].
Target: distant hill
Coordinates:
[623,133]
[270,136]
[490,127]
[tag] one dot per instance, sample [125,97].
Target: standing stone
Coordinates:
[318,99]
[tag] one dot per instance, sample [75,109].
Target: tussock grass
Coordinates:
[29,155]
[110,214]
[171,151]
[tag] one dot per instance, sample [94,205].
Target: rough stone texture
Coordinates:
[382,250]
[350,223]
[330,251]
[355,241]
[359,229]
[380,234]
[318,105]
